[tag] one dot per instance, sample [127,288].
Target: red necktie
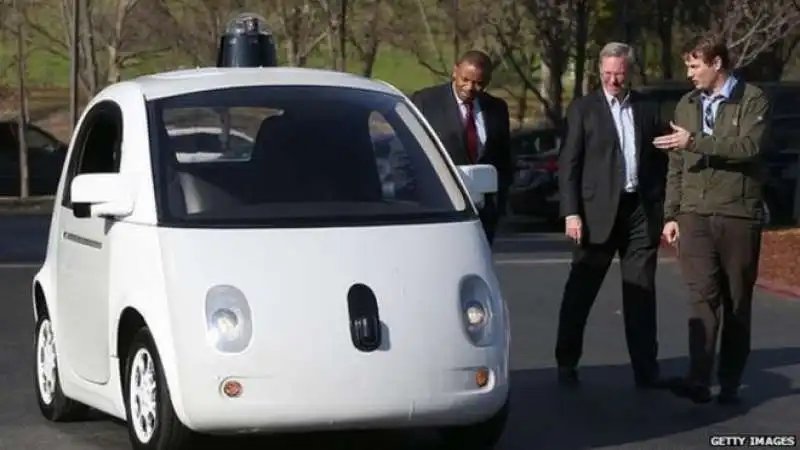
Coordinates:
[471,133]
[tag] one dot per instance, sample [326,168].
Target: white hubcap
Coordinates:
[46,362]
[142,396]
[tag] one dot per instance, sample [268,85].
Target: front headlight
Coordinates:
[476,310]
[229,324]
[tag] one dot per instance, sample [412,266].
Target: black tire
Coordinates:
[54,405]
[168,433]
[479,436]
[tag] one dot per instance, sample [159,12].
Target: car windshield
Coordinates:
[297,156]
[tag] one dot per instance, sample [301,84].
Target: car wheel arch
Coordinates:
[130,322]
[131,319]
[39,302]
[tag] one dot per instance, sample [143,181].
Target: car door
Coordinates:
[83,251]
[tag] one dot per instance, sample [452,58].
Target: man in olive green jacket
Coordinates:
[714,205]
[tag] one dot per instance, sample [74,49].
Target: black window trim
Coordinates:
[76,152]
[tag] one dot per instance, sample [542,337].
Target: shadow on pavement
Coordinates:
[606,411]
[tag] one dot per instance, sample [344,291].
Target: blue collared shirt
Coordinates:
[714,101]
[622,113]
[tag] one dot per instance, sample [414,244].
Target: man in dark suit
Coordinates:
[473,126]
[612,189]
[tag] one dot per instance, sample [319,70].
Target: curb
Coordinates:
[779,289]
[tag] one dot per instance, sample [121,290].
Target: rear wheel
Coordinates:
[479,436]
[53,404]
[152,422]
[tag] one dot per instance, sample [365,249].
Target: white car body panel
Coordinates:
[301,370]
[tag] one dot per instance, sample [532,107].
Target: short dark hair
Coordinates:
[706,47]
[476,58]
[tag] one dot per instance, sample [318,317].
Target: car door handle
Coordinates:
[82,240]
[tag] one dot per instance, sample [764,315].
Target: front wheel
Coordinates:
[54,405]
[479,436]
[152,423]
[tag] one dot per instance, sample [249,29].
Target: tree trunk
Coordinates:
[666,18]
[342,63]
[23,101]
[581,42]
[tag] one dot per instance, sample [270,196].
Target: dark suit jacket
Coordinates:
[439,106]
[591,164]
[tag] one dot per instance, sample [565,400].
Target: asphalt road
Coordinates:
[607,412]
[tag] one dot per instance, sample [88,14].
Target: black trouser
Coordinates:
[719,260]
[638,258]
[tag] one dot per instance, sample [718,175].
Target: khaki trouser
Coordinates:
[719,256]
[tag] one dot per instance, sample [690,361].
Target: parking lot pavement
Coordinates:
[607,412]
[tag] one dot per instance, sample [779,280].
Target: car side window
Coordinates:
[98,146]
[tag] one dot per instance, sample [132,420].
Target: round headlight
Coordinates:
[229,323]
[225,321]
[476,314]
[476,310]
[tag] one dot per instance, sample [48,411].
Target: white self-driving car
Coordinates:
[271,287]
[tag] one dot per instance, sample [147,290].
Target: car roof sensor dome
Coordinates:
[247,42]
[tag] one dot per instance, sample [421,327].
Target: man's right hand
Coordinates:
[574,228]
[671,232]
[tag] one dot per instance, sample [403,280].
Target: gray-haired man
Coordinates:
[612,193]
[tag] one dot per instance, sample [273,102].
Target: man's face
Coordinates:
[614,72]
[469,80]
[703,75]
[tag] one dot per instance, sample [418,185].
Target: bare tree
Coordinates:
[196,26]
[304,25]
[364,33]
[753,26]
[516,49]
[419,27]
[665,20]
[114,36]
[548,28]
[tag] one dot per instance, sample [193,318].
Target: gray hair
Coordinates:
[616,50]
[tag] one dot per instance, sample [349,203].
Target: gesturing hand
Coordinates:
[678,139]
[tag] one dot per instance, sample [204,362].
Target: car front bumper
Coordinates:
[353,398]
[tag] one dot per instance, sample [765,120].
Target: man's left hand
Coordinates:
[678,139]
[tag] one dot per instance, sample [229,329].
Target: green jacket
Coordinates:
[721,174]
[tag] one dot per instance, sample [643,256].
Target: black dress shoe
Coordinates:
[729,397]
[568,376]
[684,388]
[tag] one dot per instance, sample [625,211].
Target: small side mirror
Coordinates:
[480,179]
[101,195]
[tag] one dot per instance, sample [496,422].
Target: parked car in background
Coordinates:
[534,190]
[45,159]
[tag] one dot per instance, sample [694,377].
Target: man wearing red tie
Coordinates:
[473,126]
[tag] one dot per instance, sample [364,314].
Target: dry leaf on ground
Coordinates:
[780,257]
